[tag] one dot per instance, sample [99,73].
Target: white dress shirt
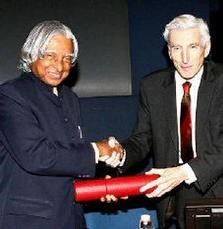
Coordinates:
[195,83]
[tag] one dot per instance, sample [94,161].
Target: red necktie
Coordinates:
[185,125]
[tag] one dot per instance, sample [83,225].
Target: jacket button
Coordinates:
[66,119]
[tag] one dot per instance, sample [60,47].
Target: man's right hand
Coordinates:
[110,151]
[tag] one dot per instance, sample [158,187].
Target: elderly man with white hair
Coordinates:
[43,148]
[180,123]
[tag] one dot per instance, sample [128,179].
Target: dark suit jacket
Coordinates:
[156,130]
[42,151]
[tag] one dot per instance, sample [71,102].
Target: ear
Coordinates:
[169,52]
[207,49]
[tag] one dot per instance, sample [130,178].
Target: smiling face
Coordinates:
[55,64]
[187,51]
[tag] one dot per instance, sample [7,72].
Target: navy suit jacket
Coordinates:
[43,149]
[156,131]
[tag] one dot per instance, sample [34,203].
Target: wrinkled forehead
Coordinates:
[185,36]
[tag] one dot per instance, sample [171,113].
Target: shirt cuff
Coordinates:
[96,150]
[190,174]
[123,159]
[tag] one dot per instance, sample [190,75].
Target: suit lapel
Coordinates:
[170,106]
[205,95]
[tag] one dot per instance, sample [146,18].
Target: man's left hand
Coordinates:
[168,180]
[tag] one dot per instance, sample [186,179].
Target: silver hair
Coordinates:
[187,21]
[39,38]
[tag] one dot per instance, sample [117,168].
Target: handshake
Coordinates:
[110,151]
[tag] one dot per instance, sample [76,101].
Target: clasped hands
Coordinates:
[110,151]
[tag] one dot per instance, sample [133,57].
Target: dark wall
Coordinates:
[216,18]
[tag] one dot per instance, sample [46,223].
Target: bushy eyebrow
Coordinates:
[52,51]
[177,45]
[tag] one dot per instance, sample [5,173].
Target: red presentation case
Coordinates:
[88,190]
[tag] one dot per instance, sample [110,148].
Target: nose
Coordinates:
[58,64]
[185,56]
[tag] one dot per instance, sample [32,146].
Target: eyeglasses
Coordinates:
[52,56]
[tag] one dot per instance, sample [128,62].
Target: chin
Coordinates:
[53,83]
[186,75]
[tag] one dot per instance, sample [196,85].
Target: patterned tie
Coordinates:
[185,125]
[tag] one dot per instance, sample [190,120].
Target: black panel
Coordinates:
[216,19]
[204,213]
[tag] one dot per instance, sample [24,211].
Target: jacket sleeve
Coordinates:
[208,165]
[32,149]
[138,145]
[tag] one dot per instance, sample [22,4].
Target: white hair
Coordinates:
[187,21]
[38,39]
